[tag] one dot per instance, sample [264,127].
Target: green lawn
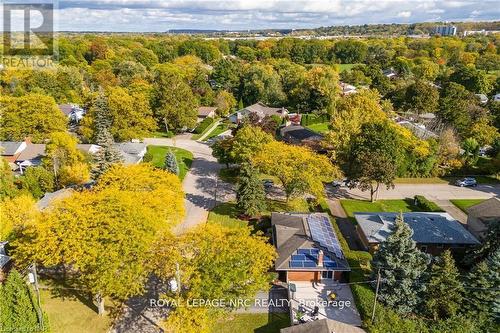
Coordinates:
[184,158]
[253,323]
[463,204]
[68,314]
[209,128]
[346,67]
[320,128]
[352,206]
[162,134]
[221,128]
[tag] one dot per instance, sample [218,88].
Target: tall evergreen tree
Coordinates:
[444,290]
[106,156]
[250,193]
[490,244]
[401,267]
[102,119]
[17,309]
[171,164]
[483,294]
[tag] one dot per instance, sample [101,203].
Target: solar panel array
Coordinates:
[308,258]
[322,232]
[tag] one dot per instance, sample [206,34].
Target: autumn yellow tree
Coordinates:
[299,169]
[212,262]
[104,237]
[16,214]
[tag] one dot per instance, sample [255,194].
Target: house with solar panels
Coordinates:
[308,248]
[433,232]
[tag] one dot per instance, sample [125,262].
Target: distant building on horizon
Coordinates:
[446,30]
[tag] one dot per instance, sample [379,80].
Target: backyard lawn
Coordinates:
[184,158]
[69,314]
[253,323]
[320,127]
[463,204]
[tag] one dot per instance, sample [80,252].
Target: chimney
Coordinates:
[320,258]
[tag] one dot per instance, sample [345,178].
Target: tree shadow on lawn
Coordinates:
[67,288]
[275,322]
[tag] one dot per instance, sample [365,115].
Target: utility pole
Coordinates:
[376,294]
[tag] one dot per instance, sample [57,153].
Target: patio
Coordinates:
[309,295]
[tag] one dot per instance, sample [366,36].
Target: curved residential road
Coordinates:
[201,185]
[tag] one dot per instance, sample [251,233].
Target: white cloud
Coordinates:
[161,15]
[404,14]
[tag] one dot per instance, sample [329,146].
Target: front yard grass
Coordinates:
[221,128]
[253,322]
[184,158]
[463,204]
[68,314]
[351,206]
[319,128]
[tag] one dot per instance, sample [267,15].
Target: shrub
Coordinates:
[310,119]
[203,125]
[426,205]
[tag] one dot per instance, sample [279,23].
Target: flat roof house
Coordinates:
[481,215]
[308,248]
[433,232]
[259,109]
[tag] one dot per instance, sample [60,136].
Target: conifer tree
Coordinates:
[17,310]
[102,119]
[483,294]
[444,290]
[171,164]
[106,156]
[250,193]
[401,267]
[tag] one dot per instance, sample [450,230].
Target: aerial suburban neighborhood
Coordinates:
[338,177]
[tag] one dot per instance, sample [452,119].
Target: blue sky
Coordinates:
[161,15]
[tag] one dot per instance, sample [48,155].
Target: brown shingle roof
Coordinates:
[204,111]
[487,208]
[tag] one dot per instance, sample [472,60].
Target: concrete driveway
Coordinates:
[430,191]
[201,185]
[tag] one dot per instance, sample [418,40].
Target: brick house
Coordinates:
[308,248]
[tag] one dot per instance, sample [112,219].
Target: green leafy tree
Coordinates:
[17,308]
[222,149]
[225,103]
[350,51]
[474,80]
[171,163]
[37,181]
[444,290]
[421,97]
[173,102]
[374,157]
[247,142]
[489,244]
[482,284]
[262,83]
[8,187]
[471,151]
[454,105]
[226,75]
[401,266]
[250,193]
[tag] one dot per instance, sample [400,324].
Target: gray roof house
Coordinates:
[31,156]
[11,148]
[433,232]
[307,246]
[481,215]
[72,111]
[49,198]
[299,135]
[132,152]
[259,109]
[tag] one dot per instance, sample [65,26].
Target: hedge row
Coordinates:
[310,119]
[426,205]
[203,125]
